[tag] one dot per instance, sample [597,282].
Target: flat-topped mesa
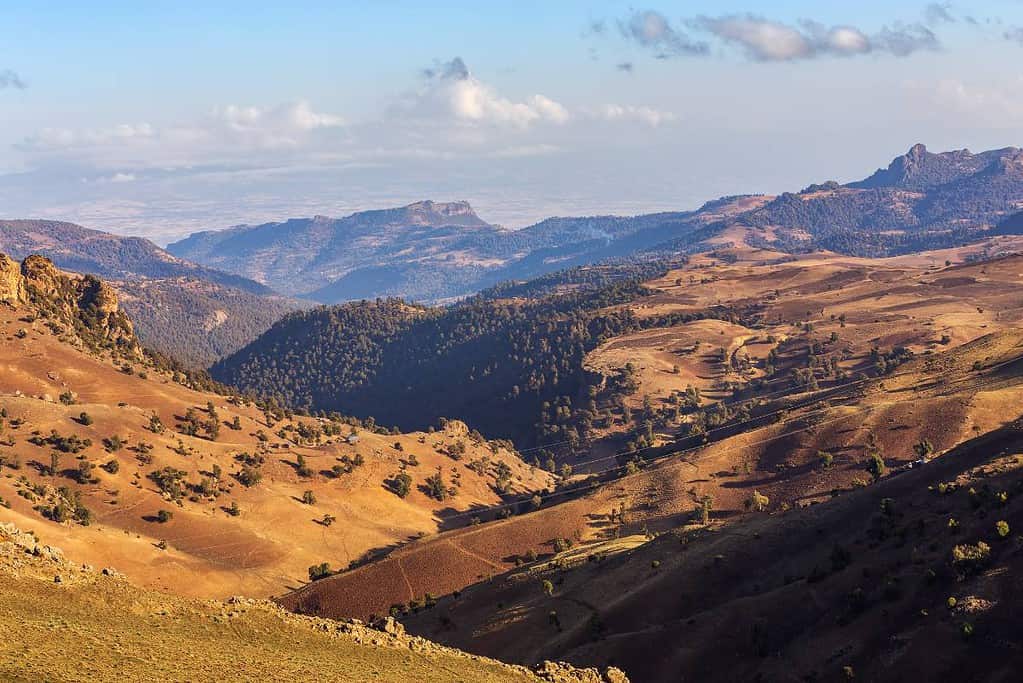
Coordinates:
[85,303]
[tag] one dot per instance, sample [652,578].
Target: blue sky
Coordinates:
[162,118]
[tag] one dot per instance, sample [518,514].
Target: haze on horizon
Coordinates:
[163,119]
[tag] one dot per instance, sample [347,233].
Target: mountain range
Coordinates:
[435,252]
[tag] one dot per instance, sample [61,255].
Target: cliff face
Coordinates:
[12,289]
[86,304]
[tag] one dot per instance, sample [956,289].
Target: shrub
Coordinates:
[155,424]
[67,398]
[1002,527]
[113,443]
[402,484]
[758,502]
[309,498]
[319,571]
[84,419]
[249,476]
[548,588]
[435,486]
[876,466]
[971,557]
[163,516]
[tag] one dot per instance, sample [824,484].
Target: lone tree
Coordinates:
[309,498]
[402,484]
[436,487]
[876,466]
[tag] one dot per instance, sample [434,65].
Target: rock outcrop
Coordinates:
[84,304]
[12,286]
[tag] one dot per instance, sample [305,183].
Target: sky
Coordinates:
[159,119]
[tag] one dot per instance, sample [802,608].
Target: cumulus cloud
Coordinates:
[452,93]
[1015,35]
[766,40]
[627,67]
[10,79]
[627,112]
[652,30]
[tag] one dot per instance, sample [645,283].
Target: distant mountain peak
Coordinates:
[919,169]
[429,211]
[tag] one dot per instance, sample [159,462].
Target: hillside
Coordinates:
[601,357]
[397,362]
[431,253]
[193,313]
[656,547]
[923,359]
[53,612]
[123,462]
[197,321]
[913,578]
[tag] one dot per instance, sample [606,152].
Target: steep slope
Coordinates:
[52,611]
[123,462]
[196,321]
[922,359]
[914,578]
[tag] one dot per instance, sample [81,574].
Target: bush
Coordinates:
[876,466]
[402,484]
[971,557]
[249,476]
[84,419]
[1002,527]
[435,486]
[163,516]
[319,571]
[309,498]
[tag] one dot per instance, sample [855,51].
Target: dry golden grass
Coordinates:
[268,547]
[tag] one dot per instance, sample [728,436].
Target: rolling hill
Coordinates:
[125,461]
[52,610]
[838,479]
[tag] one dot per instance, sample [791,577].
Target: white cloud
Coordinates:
[451,93]
[628,112]
[225,133]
